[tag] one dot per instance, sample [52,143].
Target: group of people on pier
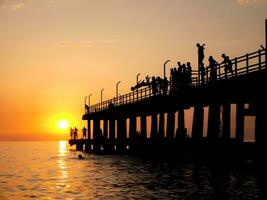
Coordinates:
[181,76]
[212,67]
[74,133]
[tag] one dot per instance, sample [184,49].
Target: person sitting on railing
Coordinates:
[227,65]
[213,69]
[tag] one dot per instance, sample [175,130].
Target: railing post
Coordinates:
[247,62]
[235,66]
[219,73]
[265,43]
[259,59]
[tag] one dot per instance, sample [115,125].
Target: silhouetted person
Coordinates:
[75,133]
[180,67]
[227,65]
[84,132]
[189,72]
[71,133]
[202,71]
[165,83]
[200,51]
[213,69]
[154,86]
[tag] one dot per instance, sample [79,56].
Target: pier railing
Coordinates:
[252,62]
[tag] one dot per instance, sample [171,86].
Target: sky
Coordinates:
[53,53]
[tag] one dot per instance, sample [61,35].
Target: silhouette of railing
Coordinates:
[242,65]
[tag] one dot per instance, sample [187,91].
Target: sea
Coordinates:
[52,170]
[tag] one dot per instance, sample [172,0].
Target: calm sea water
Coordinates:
[50,170]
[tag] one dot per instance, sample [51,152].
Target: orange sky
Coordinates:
[53,53]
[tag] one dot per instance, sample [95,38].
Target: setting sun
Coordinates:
[62,124]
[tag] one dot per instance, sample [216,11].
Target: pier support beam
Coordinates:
[97,135]
[261,123]
[181,131]
[198,121]
[170,125]
[105,129]
[105,134]
[143,127]
[121,135]
[132,132]
[240,122]
[89,137]
[111,135]
[226,121]
[89,129]
[161,126]
[154,126]
[79,146]
[214,122]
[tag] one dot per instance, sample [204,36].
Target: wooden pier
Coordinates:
[111,120]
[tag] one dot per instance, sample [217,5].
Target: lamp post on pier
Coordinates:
[89,99]
[117,90]
[85,104]
[137,78]
[164,69]
[101,98]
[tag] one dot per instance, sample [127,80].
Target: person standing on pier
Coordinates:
[200,51]
[84,132]
[213,69]
[71,133]
[75,133]
[227,65]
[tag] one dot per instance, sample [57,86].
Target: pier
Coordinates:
[112,124]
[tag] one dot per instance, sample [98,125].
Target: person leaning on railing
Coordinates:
[227,65]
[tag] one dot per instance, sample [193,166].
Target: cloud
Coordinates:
[84,43]
[248,2]
[13,7]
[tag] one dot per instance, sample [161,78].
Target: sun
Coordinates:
[62,124]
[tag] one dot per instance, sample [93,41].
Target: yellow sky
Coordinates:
[55,52]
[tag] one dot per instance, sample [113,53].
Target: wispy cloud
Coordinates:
[13,7]
[84,43]
[249,2]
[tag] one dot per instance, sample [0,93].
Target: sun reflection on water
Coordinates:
[62,165]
